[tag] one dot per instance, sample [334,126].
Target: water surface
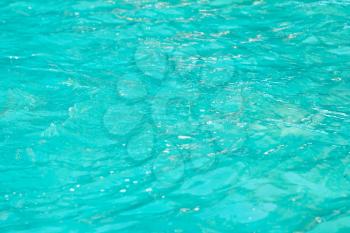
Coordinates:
[175,116]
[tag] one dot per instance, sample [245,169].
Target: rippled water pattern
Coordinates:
[175,116]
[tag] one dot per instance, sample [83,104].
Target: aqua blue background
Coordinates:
[174,116]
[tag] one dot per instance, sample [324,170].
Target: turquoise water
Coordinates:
[176,116]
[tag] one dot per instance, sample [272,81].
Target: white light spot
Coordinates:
[184,210]
[292,36]
[13,57]
[257,38]
[318,219]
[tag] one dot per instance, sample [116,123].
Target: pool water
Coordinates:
[175,116]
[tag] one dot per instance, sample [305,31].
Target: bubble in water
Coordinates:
[121,118]
[148,190]
[122,191]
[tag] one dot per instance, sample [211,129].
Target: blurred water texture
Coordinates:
[175,116]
